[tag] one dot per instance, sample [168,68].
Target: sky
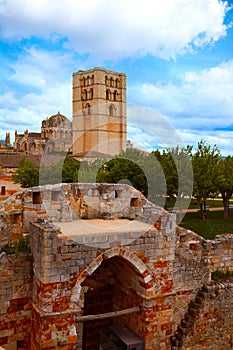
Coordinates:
[177,55]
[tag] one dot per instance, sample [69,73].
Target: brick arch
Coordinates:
[132,258]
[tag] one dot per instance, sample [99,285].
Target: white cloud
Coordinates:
[118,28]
[201,100]
[28,111]
[149,130]
[42,87]
[37,68]
[115,29]
[222,139]
[8,99]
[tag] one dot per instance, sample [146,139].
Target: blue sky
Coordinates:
[177,54]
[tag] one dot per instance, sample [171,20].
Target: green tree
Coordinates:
[121,170]
[206,173]
[225,183]
[51,174]
[61,171]
[177,168]
[170,172]
[69,168]
[27,174]
[89,172]
[138,168]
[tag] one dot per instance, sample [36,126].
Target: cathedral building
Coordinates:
[98,128]
[55,136]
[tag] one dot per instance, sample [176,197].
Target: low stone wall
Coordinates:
[218,253]
[67,202]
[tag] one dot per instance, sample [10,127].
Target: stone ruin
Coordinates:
[102,255]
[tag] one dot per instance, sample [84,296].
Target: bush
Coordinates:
[21,246]
[220,275]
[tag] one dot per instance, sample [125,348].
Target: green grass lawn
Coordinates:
[212,226]
[212,203]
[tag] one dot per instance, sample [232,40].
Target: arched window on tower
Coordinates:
[88,109]
[111,82]
[88,80]
[111,110]
[107,95]
[115,95]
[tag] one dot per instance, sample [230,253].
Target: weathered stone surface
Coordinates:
[154,265]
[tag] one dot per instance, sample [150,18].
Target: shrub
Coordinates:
[21,246]
[220,274]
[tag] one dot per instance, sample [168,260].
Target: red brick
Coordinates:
[160,264]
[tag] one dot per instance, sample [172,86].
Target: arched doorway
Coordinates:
[113,293]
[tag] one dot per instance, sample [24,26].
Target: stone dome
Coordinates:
[56,121]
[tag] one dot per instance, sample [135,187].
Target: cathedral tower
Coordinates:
[99,111]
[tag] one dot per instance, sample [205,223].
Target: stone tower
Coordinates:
[99,111]
[7,139]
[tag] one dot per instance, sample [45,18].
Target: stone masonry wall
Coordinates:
[15,301]
[67,202]
[62,264]
[161,269]
[208,322]
[195,260]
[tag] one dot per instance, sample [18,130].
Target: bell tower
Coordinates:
[99,111]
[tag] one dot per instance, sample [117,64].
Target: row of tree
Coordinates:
[177,172]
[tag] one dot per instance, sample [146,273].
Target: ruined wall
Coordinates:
[67,202]
[208,322]
[16,213]
[62,264]
[7,186]
[15,301]
[195,260]
[159,268]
